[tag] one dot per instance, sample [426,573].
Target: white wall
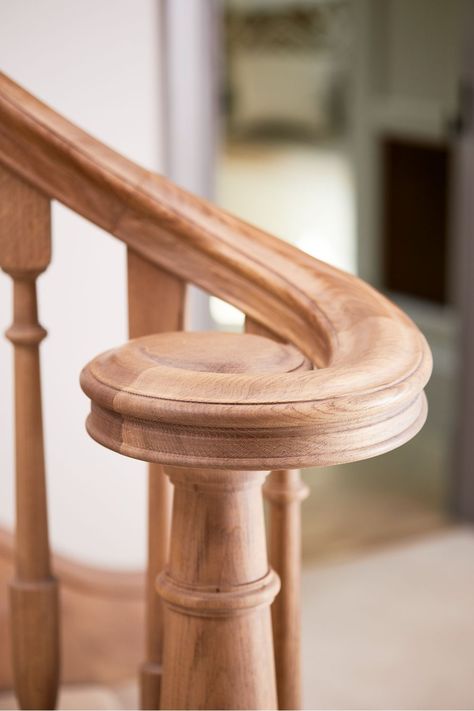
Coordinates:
[97,62]
[191,31]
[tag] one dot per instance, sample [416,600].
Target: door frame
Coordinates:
[190,60]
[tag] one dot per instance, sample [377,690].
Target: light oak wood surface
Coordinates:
[156,303]
[284,492]
[102,620]
[218,647]
[25,252]
[218,589]
[157,400]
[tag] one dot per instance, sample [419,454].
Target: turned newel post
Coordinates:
[170,398]
[218,589]
[25,252]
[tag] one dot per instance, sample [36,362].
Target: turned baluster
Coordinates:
[155,304]
[284,491]
[25,252]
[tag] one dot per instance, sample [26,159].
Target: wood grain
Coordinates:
[166,399]
[365,395]
[102,620]
[218,650]
[156,302]
[218,590]
[25,226]
[181,405]
[284,491]
[25,251]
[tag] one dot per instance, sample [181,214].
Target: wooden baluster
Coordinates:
[284,491]
[25,252]
[156,302]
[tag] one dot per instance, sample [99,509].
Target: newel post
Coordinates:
[170,397]
[25,252]
[218,589]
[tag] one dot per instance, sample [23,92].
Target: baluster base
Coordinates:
[35,642]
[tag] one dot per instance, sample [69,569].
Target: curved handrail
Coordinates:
[365,395]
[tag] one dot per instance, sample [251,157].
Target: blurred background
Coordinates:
[338,123]
[344,127]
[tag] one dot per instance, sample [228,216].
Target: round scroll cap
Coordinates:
[178,398]
[214,400]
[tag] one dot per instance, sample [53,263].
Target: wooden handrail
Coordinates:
[365,395]
[358,392]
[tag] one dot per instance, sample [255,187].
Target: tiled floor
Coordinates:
[77,697]
[393,629]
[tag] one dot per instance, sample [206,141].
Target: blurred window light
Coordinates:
[330,248]
[225,314]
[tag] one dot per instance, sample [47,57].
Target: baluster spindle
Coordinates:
[155,304]
[284,491]
[25,252]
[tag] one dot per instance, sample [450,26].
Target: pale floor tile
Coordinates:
[7,701]
[128,694]
[392,629]
[80,697]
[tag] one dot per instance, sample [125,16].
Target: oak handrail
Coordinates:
[365,395]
